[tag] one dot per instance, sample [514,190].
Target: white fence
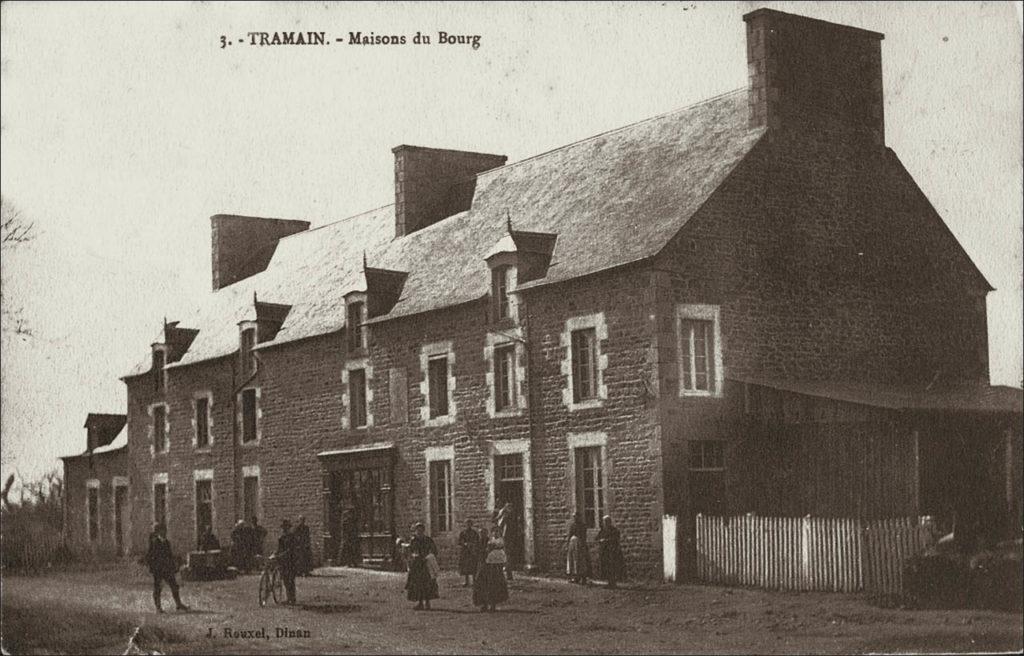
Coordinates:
[808,553]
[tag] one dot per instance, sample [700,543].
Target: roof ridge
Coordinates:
[335,222]
[611,131]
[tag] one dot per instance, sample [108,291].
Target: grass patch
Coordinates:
[39,629]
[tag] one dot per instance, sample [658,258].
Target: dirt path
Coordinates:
[364,611]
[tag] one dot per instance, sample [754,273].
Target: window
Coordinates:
[250,496]
[93,501]
[501,284]
[160,441]
[590,485]
[249,433]
[707,455]
[159,361]
[357,397]
[584,364]
[204,506]
[504,377]
[202,409]
[440,496]
[700,351]
[247,355]
[160,503]
[356,329]
[437,375]
[697,355]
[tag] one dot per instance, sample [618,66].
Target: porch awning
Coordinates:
[978,398]
[359,448]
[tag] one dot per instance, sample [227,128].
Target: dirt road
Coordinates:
[362,611]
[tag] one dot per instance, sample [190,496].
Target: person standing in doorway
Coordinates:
[304,557]
[613,565]
[420,585]
[287,556]
[160,560]
[490,588]
[469,553]
[577,558]
[350,548]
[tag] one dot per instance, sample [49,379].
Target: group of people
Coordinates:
[577,552]
[246,544]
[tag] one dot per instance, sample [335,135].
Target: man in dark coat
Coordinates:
[287,559]
[304,563]
[240,544]
[259,534]
[161,564]
[350,548]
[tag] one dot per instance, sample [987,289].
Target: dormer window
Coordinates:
[501,284]
[354,325]
[245,353]
[159,362]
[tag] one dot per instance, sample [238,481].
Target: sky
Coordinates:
[124,127]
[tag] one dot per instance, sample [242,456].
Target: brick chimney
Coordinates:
[243,245]
[432,184]
[810,74]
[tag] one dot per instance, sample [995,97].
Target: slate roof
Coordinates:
[612,199]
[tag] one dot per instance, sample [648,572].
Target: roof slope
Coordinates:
[611,199]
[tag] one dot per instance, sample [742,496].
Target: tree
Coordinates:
[15,231]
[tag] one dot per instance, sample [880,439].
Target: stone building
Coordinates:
[743,305]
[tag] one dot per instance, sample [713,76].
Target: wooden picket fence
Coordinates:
[808,553]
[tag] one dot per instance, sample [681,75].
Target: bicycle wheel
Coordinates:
[277,587]
[265,587]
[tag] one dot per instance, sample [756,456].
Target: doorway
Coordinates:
[358,507]
[509,487]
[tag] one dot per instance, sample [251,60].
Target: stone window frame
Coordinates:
[151,434]
[160,383]
[428,352]
[248,364]
[598,323]
[431,455]
[366,365]
[252,471]
[364,316]
[92,484]
[583,441]
[240,417]
[520,446]
[501,261]
[196,396]
[701,312]
[160,478]
[494,340]
[116,482]
[199,475]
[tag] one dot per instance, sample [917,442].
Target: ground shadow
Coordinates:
[330,608]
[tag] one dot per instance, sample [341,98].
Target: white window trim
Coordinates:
[597,322]
[510,260]
[586,440]
[367,367]
[160,479]
[163,372]
[208,395]
[197,476]
[700,312]
[151,434]
[239,417]
[495,340]
[116,482]
[92,484]
[511,447]
[426,353]
[440,454]
[253,471]
[255,327]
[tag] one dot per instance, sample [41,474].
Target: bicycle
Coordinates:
[271,582]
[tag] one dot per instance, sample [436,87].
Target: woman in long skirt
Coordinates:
[469,553]
[490,588]
[613,565]
[420,585]
[577,556]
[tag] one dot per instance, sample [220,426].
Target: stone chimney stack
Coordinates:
[243,245]
[814,75]
[432,184]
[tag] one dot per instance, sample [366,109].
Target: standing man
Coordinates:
[259,534]
[287,559]
[240,546]
[305,548]
[161,564]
